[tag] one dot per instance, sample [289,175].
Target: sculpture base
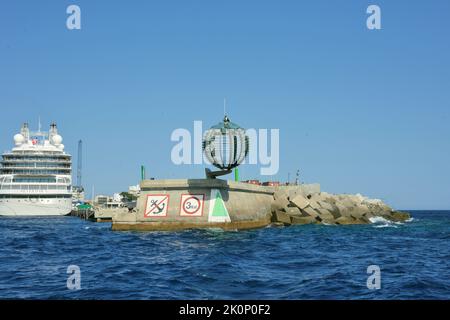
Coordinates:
[214,174]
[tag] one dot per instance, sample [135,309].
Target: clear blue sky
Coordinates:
[358,110]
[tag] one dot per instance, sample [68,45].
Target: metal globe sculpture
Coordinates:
[226,145]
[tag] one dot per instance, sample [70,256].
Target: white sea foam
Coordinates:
[380,222]
[385,226]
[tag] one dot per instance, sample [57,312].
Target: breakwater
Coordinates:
[295,206]
[229,205]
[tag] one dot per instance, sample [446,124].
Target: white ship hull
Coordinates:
[36,175]
[35,207]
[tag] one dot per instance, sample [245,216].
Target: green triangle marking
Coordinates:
[219,207]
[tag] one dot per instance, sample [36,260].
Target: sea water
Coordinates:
[298,262]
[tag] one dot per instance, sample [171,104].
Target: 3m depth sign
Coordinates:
[192,205]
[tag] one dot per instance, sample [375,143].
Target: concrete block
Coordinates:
[347,203]
[326,205]
[343,210]
[308,211]
[293,211]
[303,220]
[398,216]
[335,212]
[345,221]
[317,197]
[280,216]
[331,199]
[281,203]
[369,215]
[324,214]
[373,201]
[295,192]
[313,204]
[300,202]
[359,211]
[357,198]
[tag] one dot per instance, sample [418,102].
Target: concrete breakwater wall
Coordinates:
[198,203]
[229,205]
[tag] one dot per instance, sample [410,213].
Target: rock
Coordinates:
[348,221]
[295,207]
[373,202]
[346,202]
[295,192]
[359,211]
[357,198]
[278,224]
[308,211]
[378,211]
[281,204]
[398,216]
[300,202]
[385,208]
[303,220]
[364,219]
[324,212]
[317,197]
[293,211]
[345,220]
[325,216]
[342,209]
[280,216]
[361,198]
[326,205]
[313,204]
[336,213]
[369,215]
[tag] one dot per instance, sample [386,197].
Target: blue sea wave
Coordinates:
[298,262]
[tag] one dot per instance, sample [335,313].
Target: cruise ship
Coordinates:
[36,175]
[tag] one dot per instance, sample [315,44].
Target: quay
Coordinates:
[95,214]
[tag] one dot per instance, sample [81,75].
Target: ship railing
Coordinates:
[37,171]
[35,152]
[34,167]
[52,160]
[34,191]
[60,186]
